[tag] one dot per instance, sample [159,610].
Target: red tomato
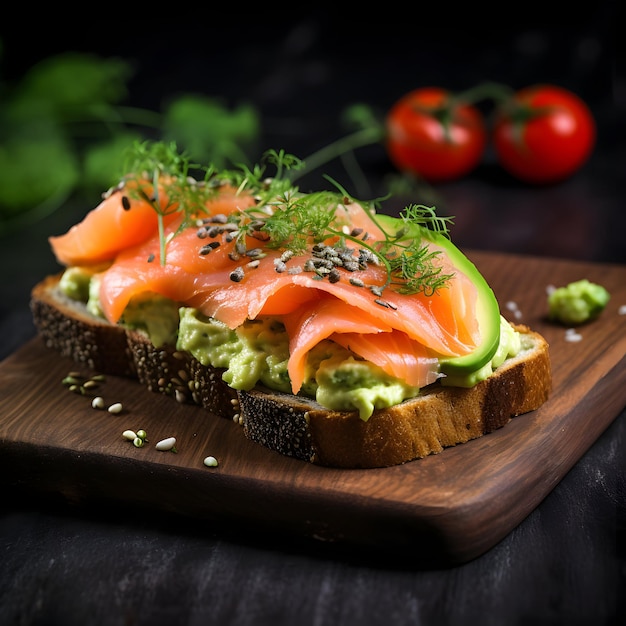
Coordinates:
[544,134]
[431,134]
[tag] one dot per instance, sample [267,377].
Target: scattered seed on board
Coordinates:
[210,461]
[131,435]
[115,408]
[514,309]
[166,444]
[98,402]
[572,335]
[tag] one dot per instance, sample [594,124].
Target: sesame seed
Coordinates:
[210,461]
[572,336]
[237,275]
[97,402]
[254,253]
[125,203]
[209,247]
[115,408]
[166,444]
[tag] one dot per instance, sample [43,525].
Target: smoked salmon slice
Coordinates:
[396,354]
[122,221]
[442,321]
[118,222]
[360,332]
[234,279]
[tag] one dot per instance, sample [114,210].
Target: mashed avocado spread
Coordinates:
[258,351]
[577,302]
[151,313]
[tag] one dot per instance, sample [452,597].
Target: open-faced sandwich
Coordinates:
[325,330]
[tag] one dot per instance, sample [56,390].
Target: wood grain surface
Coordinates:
[446,508]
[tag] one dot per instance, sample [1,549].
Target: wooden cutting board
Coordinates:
[447,508]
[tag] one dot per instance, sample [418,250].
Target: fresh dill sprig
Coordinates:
[411,263]
[415,270]
[161,163]
[300,219]
[282,217]
[420,215]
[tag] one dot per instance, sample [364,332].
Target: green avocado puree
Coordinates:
[151,313]
[258,351]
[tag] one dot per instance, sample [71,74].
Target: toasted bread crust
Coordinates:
[73,332]
[438,418]
[170,371]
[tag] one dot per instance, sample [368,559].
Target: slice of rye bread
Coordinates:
[174,372]
[67,327]
[439,417]
[295,426]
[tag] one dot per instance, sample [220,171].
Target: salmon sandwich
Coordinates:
[325,330]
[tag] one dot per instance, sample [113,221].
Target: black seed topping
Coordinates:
[237,275]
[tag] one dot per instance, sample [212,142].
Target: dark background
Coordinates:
[565,563]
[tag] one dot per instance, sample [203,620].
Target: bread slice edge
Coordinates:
[295,426]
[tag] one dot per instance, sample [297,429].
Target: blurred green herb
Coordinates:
[64,129]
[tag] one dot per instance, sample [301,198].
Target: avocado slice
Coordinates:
[487,311]
[487,307]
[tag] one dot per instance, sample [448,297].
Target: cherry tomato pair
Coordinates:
[541,134]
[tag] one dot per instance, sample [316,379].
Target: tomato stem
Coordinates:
[363,137]
[497,92]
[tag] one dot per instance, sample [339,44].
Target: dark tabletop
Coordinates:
[565,564]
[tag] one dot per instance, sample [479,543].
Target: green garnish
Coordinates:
[155,161]
[284,218]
